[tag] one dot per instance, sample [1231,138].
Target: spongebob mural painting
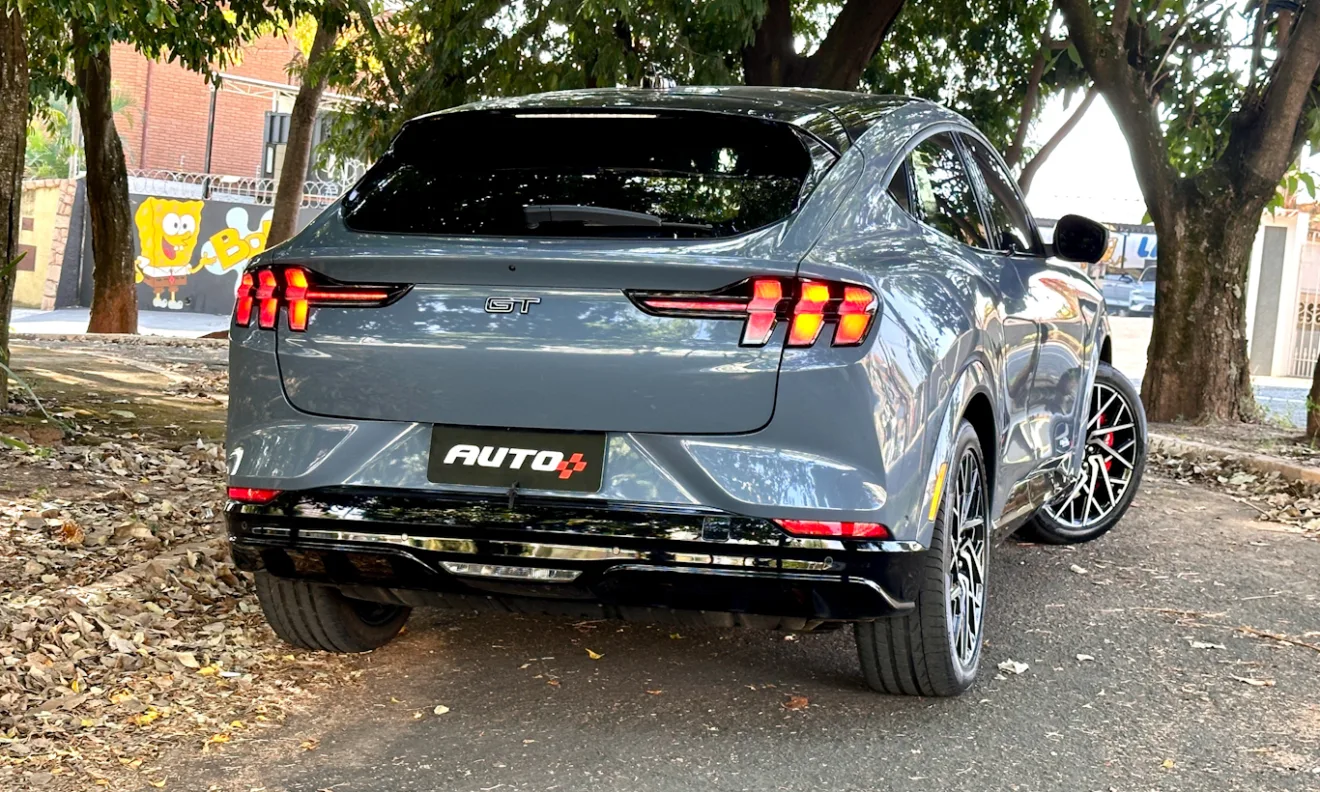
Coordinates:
[167,234]
[228,250]
[191,253]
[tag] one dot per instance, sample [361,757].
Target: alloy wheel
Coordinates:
[1112,446]
[965,522]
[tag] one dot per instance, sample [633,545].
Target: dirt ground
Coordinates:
[1149,667]
[1182,651]
[125,634]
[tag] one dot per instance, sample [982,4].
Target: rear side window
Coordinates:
[944,196]
[529,173]
[900,188]
[1009,216]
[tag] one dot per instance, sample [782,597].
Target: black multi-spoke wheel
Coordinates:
[935,649]
[1114,459]
[968,556]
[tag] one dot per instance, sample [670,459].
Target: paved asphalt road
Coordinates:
[700,708]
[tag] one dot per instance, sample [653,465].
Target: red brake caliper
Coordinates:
[1109,440]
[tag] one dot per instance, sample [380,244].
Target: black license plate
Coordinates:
[570,461]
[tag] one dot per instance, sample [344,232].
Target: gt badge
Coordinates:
[502,305]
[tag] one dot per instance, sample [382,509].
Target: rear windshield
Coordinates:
[527,173]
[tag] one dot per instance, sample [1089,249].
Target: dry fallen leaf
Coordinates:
[440,709]
[1013,667]
[1206,645]
[796,703]
[1255,682]
[594,655]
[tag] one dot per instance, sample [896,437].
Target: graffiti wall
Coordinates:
[190,253]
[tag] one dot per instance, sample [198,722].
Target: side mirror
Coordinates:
[1078,239]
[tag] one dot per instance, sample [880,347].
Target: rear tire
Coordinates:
[1111,471]
[935,649]
[314,616]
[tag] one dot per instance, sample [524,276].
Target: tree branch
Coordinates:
[1118,27]
[1123,87]
[1265,138]
[1033,165]
[391,72]
[851,43]
[1014,153]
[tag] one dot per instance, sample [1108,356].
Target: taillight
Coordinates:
[253,494]
[807,305]
[299,290]
[843,530]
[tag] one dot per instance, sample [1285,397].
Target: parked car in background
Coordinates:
[1141,300]
[734,356]
[1127,294]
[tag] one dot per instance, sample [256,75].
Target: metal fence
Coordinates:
[1306,339]
[235,189]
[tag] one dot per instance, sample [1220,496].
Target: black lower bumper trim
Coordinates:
[583,562]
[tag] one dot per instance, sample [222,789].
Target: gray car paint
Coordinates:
[855,433]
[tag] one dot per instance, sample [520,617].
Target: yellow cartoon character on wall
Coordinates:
[167,234]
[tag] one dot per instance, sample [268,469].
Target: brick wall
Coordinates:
[164,125]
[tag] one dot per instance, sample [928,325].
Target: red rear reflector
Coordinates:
[253,494]
[243,305]
[844,530]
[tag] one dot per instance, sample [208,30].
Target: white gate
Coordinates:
[1306,339]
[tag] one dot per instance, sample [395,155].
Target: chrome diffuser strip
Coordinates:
[539,574]
[586,553]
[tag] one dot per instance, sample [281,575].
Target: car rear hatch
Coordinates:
[506,259]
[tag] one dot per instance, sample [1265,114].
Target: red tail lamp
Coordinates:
[300,290]
[807,305]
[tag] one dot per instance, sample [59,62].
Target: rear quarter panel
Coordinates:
[938,340]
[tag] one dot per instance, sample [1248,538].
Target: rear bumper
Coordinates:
[575,557]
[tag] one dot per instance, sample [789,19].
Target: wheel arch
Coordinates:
[980,413]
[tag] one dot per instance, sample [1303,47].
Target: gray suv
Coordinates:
[737,356]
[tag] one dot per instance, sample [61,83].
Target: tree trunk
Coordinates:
[298,151]
[114,292]
[838,62]
[771,59]
[1197,365]
[13,141]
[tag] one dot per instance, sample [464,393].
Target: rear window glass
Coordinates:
[528,173]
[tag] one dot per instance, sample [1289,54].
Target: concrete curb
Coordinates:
[1258,462]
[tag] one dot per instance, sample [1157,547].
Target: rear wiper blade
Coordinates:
[536,214]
